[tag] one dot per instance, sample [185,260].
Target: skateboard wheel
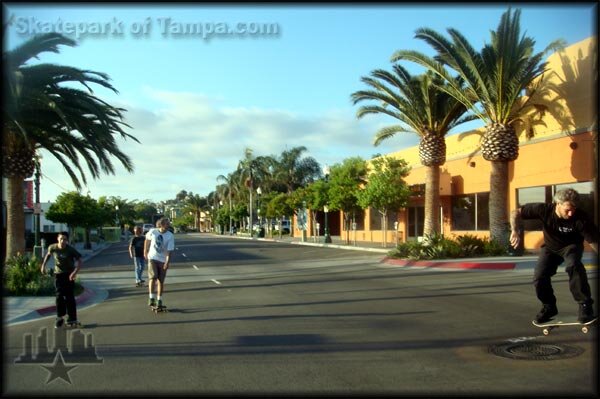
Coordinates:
[546,331]
[585,330]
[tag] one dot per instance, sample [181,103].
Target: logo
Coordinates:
[61,359]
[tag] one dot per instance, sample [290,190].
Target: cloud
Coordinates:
[188,139]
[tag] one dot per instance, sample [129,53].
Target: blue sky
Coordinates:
[195,103]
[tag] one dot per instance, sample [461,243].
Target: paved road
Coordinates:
[250,317]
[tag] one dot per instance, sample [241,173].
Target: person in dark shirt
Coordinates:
[564,228]
[67,262]
[136,252]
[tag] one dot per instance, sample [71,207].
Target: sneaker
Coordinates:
[151,302]
[73,323]
[59,322]
[546,313]
[586,312]
[159,304]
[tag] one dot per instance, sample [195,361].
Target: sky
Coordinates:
[281,77]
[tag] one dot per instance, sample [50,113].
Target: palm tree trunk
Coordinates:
[498,206]
[432,200]
[15,223]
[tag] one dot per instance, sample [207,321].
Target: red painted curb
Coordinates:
[81,299]
[451,264]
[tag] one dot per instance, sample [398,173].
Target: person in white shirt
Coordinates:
[159,245]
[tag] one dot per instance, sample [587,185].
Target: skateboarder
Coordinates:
[136,252]
[159,245]
[564,227]
[67,262]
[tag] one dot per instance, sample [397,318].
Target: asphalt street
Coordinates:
[259,318]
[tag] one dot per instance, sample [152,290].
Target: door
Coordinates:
[416,220]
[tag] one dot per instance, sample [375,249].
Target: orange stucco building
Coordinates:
[561,154]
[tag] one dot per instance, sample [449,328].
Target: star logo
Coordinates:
[59,369]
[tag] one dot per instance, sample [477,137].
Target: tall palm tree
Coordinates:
[42,111]
[253,170]
[424,110]
[195,203]
[496,78]
[229,188]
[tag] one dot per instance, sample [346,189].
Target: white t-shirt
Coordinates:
[160,244]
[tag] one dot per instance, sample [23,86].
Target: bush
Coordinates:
[439,247]
[22,277]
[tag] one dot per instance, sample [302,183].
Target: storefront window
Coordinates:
[470,212]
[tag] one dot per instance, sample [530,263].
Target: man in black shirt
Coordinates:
[564,227]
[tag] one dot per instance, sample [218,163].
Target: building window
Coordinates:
[375,219]
[545,194]
[471,212]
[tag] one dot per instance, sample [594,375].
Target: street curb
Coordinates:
[450,264]
[316,244]
[80,300]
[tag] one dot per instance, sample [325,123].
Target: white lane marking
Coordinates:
[215,281]
[196,267]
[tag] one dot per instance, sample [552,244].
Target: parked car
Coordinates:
[147,226]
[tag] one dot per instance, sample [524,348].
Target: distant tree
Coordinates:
[386,188]
[345,181]
[76,210]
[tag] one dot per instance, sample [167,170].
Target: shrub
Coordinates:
[22,277]
[437,246]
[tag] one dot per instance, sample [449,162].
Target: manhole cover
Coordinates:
[532,350]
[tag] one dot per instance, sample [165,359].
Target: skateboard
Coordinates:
[158,309]
[552,324]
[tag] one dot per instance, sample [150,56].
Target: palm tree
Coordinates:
[229,188]
[253,170]
[42,112]
[194,203]
[293,171]
[496,78]
[424,110]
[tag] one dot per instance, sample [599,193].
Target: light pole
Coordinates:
[326,171]
[258,192]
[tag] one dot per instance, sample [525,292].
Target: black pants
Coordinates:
[65,296]
[546,267]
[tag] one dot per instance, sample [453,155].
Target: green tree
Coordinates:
[43,109]
[386,189]
[278,208]
[345,181]
[496,78]
[77,210]
[423,109]
[144,211]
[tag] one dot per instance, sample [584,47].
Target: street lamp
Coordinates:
[117,215]
[326,171]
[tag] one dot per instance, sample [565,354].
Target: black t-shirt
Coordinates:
[137,242]
[558,233]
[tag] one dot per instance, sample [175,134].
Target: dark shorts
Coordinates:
[156,271]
